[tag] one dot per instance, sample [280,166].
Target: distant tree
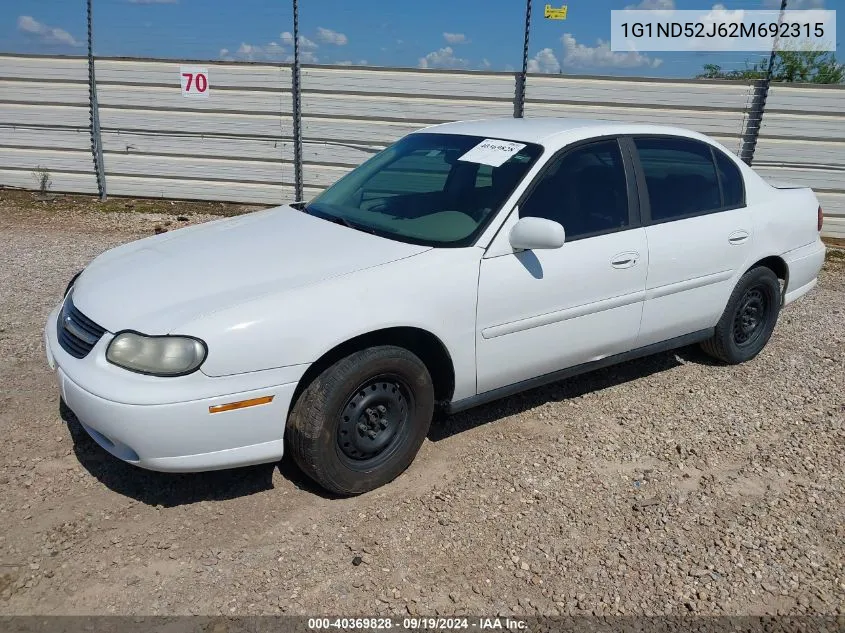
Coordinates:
[818,67]
[714,71]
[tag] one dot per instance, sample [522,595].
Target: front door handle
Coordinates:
[738,237]
[625,260]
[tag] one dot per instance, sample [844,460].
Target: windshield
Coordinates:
[431,189]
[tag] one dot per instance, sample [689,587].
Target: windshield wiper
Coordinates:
[339,220]
[344,222]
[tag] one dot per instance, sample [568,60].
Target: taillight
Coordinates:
[821,218]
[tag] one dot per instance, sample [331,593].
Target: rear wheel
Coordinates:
[749,318]
[360,423]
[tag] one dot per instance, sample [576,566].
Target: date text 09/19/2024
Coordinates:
[418,623]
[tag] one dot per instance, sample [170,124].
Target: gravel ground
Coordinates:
[666,485]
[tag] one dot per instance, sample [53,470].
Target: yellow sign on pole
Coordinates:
[551,13]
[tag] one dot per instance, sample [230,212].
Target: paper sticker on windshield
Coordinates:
[492,152]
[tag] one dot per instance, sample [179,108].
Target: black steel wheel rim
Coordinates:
[750,317]
[373,422]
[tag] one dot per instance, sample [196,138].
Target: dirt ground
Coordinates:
[667,485]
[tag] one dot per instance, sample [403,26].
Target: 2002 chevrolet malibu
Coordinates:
[464,263]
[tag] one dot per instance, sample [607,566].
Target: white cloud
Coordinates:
[455,38]
[272,52]
[663,5]
[485,63]
[45,34]
[305,57]
[577,55]
[327,36]
[349,62]
[153,1]
[442,58]
[254,52]
[544,62]
[720,13]
[304,42]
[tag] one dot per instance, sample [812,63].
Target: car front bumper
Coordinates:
[173,436]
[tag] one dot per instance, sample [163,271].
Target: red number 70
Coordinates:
[201,82]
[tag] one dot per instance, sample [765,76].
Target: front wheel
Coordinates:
[749,318]
[360,423]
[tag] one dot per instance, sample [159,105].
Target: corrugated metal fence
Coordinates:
[802,140]
[237,144]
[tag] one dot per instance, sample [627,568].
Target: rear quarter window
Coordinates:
[730,177]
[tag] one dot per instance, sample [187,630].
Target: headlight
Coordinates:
[156,355]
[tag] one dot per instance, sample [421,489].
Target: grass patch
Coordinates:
[835,255]
[24,200]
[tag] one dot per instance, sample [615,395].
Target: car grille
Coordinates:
[77,333]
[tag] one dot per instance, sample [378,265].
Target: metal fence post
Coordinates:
[754,120]
[758,102]
[297,109]
[94,112]
[519,94]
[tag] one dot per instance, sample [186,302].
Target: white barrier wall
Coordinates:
[236,144]
[44,122]
[803,141]
[350,113]
[713,108]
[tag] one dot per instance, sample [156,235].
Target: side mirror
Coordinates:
[534,233]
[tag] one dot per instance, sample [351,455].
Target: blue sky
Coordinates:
[468,34]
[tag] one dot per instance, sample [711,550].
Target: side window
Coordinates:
[584,190]
[680,177]
[733,190]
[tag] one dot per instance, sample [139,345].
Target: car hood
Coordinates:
[155,284]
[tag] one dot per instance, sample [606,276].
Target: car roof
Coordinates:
[553,131]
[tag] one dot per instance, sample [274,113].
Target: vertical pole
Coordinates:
[519,96]
[753,121]
[94,111]
[758,102]
[772,57]
[297,109]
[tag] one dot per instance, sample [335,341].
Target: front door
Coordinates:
[545,310]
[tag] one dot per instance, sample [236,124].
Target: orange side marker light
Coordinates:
[242,404]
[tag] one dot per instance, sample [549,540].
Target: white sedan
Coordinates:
[466,262]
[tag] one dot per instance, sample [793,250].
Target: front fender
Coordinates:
[435,291]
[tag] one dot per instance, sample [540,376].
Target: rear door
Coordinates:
[699,233]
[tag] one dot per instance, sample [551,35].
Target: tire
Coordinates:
[749,318]
[393,395]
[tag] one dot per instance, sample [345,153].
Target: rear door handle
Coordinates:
[738,237]
[625,260]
